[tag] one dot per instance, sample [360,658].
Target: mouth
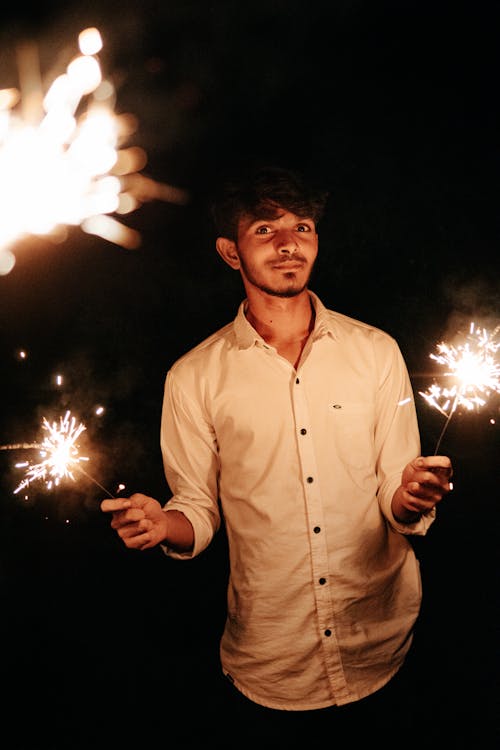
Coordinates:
[288,266]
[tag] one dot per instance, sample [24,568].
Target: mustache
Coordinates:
[294,258]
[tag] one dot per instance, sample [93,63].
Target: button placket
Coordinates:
[313,504]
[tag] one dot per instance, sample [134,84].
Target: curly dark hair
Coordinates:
[261,192]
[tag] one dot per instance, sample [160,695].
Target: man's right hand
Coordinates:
[138,520]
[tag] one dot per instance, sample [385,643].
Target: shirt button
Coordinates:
[322,581]
[328,632]
[303,431]
[316,529]
[310,479]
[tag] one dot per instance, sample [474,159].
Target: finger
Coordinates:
[427,495]
[136,539]
[423,483]
[132,518]
[135,542]
[110,506]
[418,503]
[439,479]
[131,522]
[438,464]
[432,478]
[445,483]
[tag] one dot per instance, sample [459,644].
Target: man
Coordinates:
[297,424]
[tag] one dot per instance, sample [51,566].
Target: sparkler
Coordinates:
[62,155]
[59,452]
[473,370]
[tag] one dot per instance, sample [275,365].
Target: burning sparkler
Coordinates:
[474,373]
[62,160]
[59,452]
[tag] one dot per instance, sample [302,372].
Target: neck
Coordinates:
[281,319]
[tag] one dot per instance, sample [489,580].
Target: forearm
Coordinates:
[179,533]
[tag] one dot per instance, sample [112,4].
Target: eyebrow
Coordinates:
[264,219]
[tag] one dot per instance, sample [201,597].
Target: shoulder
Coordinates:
[351,331]
[207,351]
[346,325]
[357,338]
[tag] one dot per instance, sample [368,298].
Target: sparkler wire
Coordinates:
[89,476]
[445,426]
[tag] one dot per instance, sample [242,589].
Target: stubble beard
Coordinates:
[293,289]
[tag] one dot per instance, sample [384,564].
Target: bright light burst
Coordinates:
[473,371]
[62,160]
[58,450]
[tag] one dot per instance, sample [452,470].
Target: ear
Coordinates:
[228,252]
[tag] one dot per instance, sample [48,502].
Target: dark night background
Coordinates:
[393,106]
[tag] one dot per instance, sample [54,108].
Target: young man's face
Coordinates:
[277,255]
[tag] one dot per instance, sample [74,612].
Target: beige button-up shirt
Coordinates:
[324,585]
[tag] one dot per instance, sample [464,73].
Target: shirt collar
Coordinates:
[247,336]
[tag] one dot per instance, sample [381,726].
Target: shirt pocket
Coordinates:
[352,432]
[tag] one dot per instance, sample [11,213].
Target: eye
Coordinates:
[263,230]
[303,228]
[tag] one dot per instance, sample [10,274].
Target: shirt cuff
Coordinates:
[417,528]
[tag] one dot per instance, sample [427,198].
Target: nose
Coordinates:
[286,243]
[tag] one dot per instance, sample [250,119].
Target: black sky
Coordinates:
[393,106]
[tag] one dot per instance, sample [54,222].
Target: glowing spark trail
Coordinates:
[62,155]
[473,370]
[59,453]
[19,446]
